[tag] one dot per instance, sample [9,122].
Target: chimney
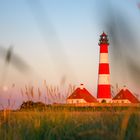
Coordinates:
[124,87]
[81,86]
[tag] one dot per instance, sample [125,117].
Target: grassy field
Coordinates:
[69,125]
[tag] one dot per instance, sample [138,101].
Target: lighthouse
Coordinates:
[104,88]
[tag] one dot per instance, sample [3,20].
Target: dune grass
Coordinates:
[69,125]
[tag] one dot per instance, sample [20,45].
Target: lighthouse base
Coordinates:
[104,100]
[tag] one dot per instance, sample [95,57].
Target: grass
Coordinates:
[69,125]
[37,121]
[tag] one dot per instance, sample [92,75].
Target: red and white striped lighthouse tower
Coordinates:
[104,88]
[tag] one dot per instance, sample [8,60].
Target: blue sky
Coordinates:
[58,38]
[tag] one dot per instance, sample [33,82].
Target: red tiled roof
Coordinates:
[126,94]
[82,94]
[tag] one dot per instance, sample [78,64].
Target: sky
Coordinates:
[58,39]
